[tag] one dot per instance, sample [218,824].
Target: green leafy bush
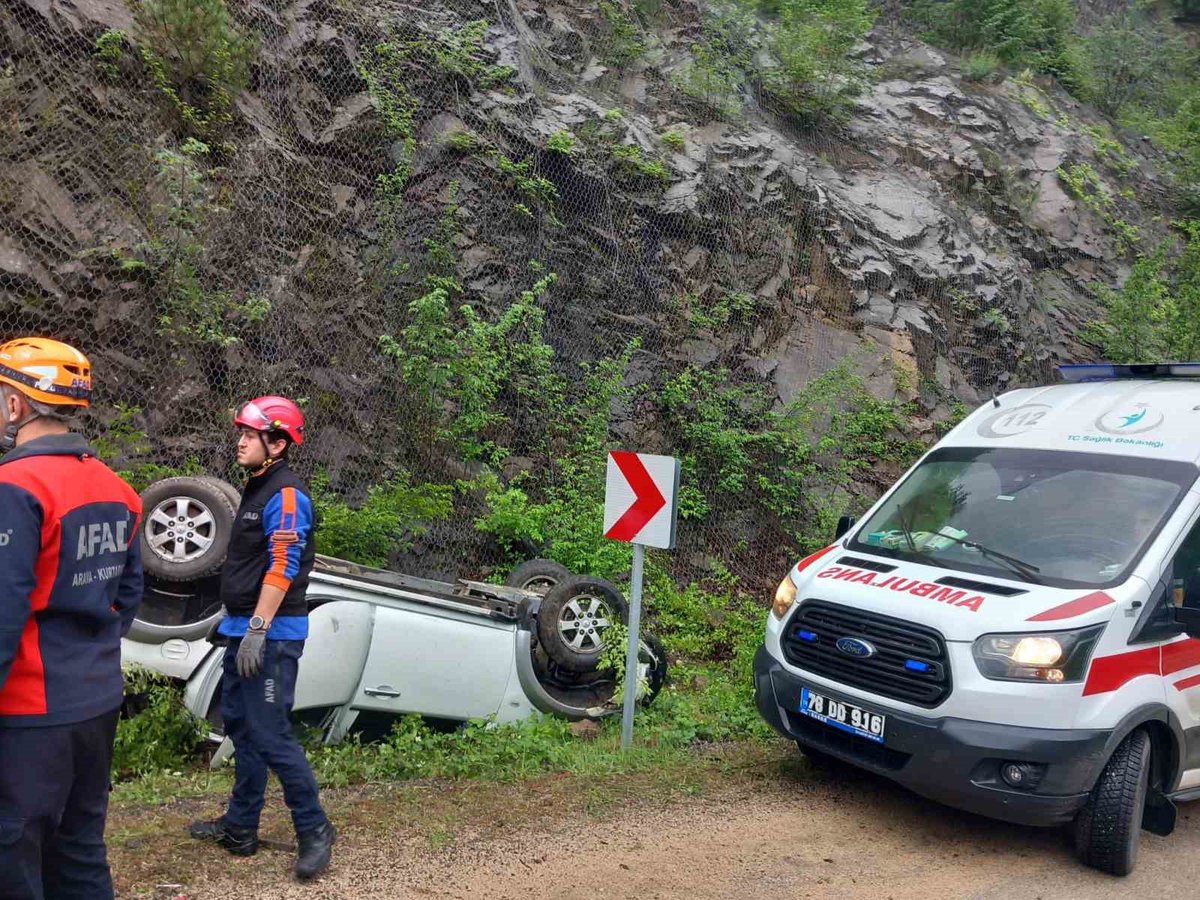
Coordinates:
[391,518]
[785,464]
[1155,315]
[561,142]
[674,139]
[624,41]
[161,736]
[108,51]
[980,66]
[812,41]
[1019,32]
[197,56]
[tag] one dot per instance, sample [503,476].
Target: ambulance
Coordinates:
[1012,629]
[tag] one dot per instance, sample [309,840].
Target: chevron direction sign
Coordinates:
[639,500]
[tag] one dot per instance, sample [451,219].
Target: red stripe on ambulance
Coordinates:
[1074,608]
[1111,672]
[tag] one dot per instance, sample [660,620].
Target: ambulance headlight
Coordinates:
[785,596]
[1053,657]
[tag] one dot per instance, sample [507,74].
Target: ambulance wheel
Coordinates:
[537,576]
[1108,828]
[572,620]
[185,528]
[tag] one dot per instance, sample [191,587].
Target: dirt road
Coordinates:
[764,831]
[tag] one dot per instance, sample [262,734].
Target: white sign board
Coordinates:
[639,499]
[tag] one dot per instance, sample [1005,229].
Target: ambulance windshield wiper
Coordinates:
[1029,570]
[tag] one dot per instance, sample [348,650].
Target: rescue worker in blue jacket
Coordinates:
[263,585]
[70,583]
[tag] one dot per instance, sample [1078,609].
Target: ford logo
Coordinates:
[856,647]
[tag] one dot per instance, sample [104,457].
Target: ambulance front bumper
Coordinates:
[952,760]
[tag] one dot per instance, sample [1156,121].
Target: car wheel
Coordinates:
[572,620]
[234,495]
[185,528]
[537,576]
[1108,828]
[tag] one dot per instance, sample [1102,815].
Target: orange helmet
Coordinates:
[47,371]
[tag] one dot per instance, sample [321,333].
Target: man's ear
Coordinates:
[13,406]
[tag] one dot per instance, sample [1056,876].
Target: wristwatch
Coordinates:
[258,623]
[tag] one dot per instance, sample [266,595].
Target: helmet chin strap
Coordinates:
[9,439]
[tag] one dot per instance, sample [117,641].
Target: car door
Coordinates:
[436,662]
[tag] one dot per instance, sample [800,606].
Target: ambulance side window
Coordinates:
[1185,571]
[1180,586]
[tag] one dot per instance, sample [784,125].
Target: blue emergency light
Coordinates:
[1080,372]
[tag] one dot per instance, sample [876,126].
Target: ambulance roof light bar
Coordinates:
[1081,372]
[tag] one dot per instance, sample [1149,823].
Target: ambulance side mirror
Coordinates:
[845,523]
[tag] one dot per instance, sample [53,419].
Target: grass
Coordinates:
[148,844]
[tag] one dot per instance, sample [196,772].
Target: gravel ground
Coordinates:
[775,832]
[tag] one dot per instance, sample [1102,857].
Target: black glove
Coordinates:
[250,653]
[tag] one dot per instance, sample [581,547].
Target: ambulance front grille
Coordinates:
[909,662]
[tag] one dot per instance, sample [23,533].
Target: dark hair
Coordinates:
[279,435]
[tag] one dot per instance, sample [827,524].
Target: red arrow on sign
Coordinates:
[649,499]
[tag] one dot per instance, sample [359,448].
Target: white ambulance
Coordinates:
[1008,630]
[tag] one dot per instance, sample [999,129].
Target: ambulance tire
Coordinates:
[185,527]
[1108,828]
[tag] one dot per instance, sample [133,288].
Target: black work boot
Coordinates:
[316,848]
[238,841]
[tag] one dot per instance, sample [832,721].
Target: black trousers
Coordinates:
[54,784]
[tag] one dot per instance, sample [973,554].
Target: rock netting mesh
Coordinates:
[383,152]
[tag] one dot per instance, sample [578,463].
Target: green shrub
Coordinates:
[1036,33]
[388,522]
[633,163]
[980,66]
[163,735]
[624,42]
[561,142]
[812,41]
[711,79]
[1132,60]
[674,139]
[1155,314]
[108,51]
[197,56]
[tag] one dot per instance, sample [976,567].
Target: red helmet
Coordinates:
[272,414]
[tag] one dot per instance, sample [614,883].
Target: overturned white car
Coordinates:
[381,644]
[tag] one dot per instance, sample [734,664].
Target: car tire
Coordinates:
[656,677]
[537,576]
[234,495]
[568,621]
[1108,828]
[185,528]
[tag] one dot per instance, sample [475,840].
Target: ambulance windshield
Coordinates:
[1076,519]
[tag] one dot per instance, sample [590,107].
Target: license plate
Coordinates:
[845,716]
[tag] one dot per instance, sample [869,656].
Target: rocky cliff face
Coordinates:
[931,239]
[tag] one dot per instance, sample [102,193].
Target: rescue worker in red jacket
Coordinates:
[70,583]
[263,588]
